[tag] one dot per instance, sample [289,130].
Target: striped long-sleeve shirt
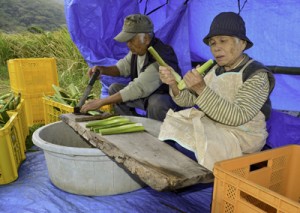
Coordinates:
[247,103]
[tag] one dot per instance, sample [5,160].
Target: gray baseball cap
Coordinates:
[134,24]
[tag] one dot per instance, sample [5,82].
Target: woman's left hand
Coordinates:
[194,81]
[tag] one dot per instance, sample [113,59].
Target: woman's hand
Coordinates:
[167,77]
[194,81]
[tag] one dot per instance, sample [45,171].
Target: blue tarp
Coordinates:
[273,27]
[33,192]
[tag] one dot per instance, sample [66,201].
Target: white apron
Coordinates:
[211,141]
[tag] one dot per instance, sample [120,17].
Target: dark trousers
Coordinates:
[181,149]
[156,105]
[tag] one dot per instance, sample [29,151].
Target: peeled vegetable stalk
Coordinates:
[114,125]
[161,62]
[106,121]
[135,127]
[180,82]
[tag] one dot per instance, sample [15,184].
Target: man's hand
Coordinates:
[93,69]
[91,105]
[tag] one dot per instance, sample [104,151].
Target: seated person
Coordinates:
[145,91]
[232,99]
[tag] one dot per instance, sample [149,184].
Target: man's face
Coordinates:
[226,50]
[139,44]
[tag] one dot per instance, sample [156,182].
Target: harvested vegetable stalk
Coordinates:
[181,84]
[93,112]
[106,121]
[127,128]
[97,128]
[161,62]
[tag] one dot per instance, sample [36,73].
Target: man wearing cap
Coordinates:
[232,99]
[145,91]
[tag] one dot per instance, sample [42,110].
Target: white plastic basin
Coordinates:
[76,167]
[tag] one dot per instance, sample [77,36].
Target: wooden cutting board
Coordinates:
[156,163]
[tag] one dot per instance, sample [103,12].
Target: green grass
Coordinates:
[71,66]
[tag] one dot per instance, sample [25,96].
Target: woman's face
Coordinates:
[227,50]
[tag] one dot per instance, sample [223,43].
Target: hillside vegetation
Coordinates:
[20,15]
[36,29]
[71,66]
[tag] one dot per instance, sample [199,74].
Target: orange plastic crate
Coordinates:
[12,152]
[261,182]
[32,75]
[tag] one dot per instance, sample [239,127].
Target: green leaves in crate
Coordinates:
[69,96]
[8,101]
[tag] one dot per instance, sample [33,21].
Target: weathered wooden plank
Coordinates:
[153,161]
[86,117]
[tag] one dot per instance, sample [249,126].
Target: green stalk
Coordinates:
[106,121]
[161,62]
[181,84]
[97,128]
[127,128]
[93,112]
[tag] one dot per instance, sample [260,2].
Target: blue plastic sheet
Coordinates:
[286,93]
[271,25]
[283,129]
[33,192]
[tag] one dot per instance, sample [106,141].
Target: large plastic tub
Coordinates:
[74,166]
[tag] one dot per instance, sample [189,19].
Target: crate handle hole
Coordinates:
[257,203]
[259,165]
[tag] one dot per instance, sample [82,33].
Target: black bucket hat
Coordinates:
[229,24]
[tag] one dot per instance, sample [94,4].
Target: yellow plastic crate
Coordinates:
[34,109]
[32,75]
[22,121]
[261,182]
[52,110]
[12,152]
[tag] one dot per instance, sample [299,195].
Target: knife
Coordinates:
[86,92]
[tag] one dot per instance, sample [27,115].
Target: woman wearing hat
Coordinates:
[229,105]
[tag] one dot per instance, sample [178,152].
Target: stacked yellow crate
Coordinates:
[33,78]
[12,151]
[53,110]
[22,120]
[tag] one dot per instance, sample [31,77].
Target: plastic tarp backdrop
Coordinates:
[273,27]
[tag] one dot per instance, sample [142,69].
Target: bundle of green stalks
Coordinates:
[114,125]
